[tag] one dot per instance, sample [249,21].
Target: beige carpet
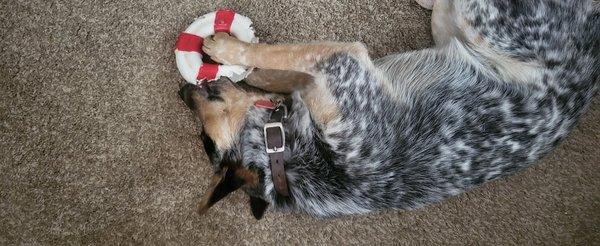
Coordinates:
[96,147]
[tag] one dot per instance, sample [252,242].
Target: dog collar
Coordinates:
[275,143]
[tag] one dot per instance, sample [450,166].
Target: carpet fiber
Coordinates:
[96,147]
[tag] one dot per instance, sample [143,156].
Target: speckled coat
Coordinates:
[505,83]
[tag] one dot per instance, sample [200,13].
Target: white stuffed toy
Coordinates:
[188,48]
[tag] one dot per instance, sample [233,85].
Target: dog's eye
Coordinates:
[214,98]
[214,93]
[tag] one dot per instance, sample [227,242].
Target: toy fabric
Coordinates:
[188,47]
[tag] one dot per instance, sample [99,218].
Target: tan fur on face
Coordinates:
[222,120]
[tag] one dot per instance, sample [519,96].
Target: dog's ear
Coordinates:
[223,183]
[227,180]
[258,207]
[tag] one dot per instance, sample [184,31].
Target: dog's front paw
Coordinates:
[225,49]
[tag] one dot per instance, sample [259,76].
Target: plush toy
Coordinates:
[188,48]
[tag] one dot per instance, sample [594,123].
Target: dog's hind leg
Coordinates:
[519,40]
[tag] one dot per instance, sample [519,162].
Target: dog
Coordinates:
[321,128]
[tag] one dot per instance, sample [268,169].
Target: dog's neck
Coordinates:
[317,184]
[298,127]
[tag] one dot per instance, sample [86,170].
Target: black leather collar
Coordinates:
[275,145]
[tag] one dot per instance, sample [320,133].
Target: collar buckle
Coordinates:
[274,137]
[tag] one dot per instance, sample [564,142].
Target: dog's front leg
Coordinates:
[279,81]
[295,57]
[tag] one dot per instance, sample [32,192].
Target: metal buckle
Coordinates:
[275,149]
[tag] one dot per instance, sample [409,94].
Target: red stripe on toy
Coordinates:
[208,71]
[189,42]
[223,20]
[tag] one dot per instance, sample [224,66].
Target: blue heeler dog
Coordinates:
[504,84]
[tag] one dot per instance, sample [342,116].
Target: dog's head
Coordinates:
[221,108]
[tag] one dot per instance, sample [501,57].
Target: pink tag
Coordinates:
[264,104]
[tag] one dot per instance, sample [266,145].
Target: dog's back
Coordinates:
[487,102]
[505,84]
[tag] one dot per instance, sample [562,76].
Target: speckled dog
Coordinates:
[505,83]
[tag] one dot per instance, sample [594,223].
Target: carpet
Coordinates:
[97,148]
